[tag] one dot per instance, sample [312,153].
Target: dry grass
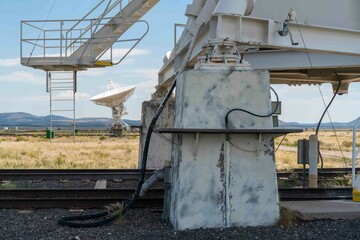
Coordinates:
[96,152]
[327,139]
[88,152]
[286,160]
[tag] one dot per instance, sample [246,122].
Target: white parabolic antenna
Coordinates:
[114,97]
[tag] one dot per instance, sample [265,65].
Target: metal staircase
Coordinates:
[62,88]
[74,45]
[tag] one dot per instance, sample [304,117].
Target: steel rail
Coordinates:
[322,173]
[74,198]
[125,174]
[97,198]
[73,174]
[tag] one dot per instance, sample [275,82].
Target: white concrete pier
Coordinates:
[219,179]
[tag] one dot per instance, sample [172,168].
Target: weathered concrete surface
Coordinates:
[334,209]
[220,180]
[160,149]
[204,96]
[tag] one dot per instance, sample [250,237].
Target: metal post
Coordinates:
[313,161]
[21,29]
[51,127]
[304,174]
[61,39]
[44,47]
[353,155]
[355,152]
[74,92]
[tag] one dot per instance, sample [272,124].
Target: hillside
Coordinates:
[21,119]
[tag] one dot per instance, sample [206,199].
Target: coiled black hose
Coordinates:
[107,216]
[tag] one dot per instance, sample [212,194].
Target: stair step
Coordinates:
[103,44]
[117,31]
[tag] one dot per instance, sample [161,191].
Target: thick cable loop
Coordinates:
[68,221]
[251,113]
[322,116]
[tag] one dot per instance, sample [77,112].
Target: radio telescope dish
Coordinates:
[115,97]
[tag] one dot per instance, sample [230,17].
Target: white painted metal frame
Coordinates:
[254,35]
[81,43]
[59,49]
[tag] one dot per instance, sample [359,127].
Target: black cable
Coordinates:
[146,147]
[69,221]
[326,109]
[66,221]
[280,142]
[251,113]
[322,116]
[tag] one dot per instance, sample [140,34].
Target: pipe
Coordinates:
[234,7]
[149,183]
[193,10]
[250,7]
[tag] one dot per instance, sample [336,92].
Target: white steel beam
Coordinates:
[329,47]
[264,33]
[291,60]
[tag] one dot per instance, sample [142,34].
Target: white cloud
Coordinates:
[26,99]
[139,73]
[120,52]
[92,72]
[11,62]
[23,77]
[148,86]
[69,94]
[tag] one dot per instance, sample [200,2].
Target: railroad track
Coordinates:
[73,174]
[125,174]
[323,173]
[97,198]
[75,198]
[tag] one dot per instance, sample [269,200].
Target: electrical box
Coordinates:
[303,151]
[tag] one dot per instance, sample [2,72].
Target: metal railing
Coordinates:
[61,38]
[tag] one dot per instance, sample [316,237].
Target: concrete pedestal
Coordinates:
[160,148]
[223,180]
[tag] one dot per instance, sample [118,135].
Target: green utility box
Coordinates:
[50,134]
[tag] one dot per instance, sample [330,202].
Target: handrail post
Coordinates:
[21,40]
[61,40]
[44,46]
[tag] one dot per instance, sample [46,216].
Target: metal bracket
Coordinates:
[286,31]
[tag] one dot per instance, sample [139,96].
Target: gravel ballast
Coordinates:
[141,224]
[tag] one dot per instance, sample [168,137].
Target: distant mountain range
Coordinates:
[324,125]
[21,119]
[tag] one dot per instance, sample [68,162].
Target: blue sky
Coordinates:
[23,89]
